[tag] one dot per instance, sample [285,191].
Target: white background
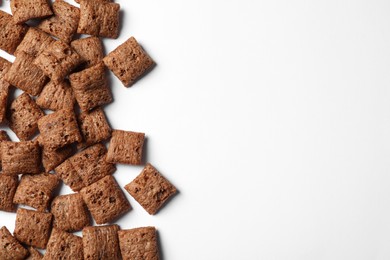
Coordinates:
[272,119]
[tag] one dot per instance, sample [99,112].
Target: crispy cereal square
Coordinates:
[4,88]
[26,76]
[33,227]
[125,147]
[20,157]
[56,96]
[99,18]
[90,50]
[66,172]
[24,10]
[51,158]
[8,185]
[90,87]
[128,61]
[57,61]
[70,213]
[34,42]
[23,117]
[10,248]
[150,189]
[139,243]
[63,245]
[63,24]
[105,200]
[11,34]
[101,243]
[36,191]
[94,127]
[59,129]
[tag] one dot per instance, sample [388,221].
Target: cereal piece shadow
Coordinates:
[145,152]
[159,246]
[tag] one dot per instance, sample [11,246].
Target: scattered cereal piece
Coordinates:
[63,245]
[150,189]
[24,10]
[34,254]
[51,158]
[139,243]
[10,34]
[8,185]
[90,50]
[3,137]
[20,157]
[126,147]
[66,172]
[10,248]
[4,88]
[34,42]
[56,96]
[101,243]
[94,127]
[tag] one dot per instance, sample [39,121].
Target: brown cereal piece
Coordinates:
[59,129]
[8,185]
[150,189]
[126,147]
[34,254]
[139,243]
[26,76]
[63,245]
[36,190]
[4,88]
[128,61]
[23,117]
[33,227]
[107,1]
[58,60]
[24,10]
[56,96]
[90,87]
[101,243]
[34,42]
[69,212]
[51,158]
[105,200]
[3,137]
[94,127]
[10,248]
[20,157]
[63,24]
[90,50]
[99,18]
[69,176]
[11,34]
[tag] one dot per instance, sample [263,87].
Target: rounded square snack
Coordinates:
[56,96]
[23,117]
[8,185]
[69,175]
[94,127]
[59,129]
[128,61]
[63,24]
[125,147]
[34,254]
[20,157]
[36,190]
[51,158]
[69,212]
[150,189]
[63,245]
[34,42]
[90,50]
[26,76]
[11,34]
[90,87]
[139,243]
[99,18]
[105,200]
[4,88]
[24,10]
[10,248]
[33,227]
[101,243]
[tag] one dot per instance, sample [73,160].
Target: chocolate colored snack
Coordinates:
[63,24]
[57,61]
[24,10]
[90,87]
[4,88]
[8,185]
[3,137]
[66,172]
[139,243]
[11,34]
[101,243]
[128,61]
[10,248]
[51,158]
[126,147]
[36,190]
[59,129]
[26,76]
[94,127]
[70,213]
[23,117]
[105,200]
[150,189]
[56,96]
[63,245]
[90,50]
[34,42]
[99,18]
[33,227]
[20,157]
[34,254]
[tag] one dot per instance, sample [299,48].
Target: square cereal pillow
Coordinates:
[126,147]
[101,242]
[63,245]
[90,50]
[8,185]
[20,157]
[24,10]
[139,243]
[34,42]
[10,247]
[56,96]
[66,172]
[11,34]
[94,127]
[4,88]
[51,158]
